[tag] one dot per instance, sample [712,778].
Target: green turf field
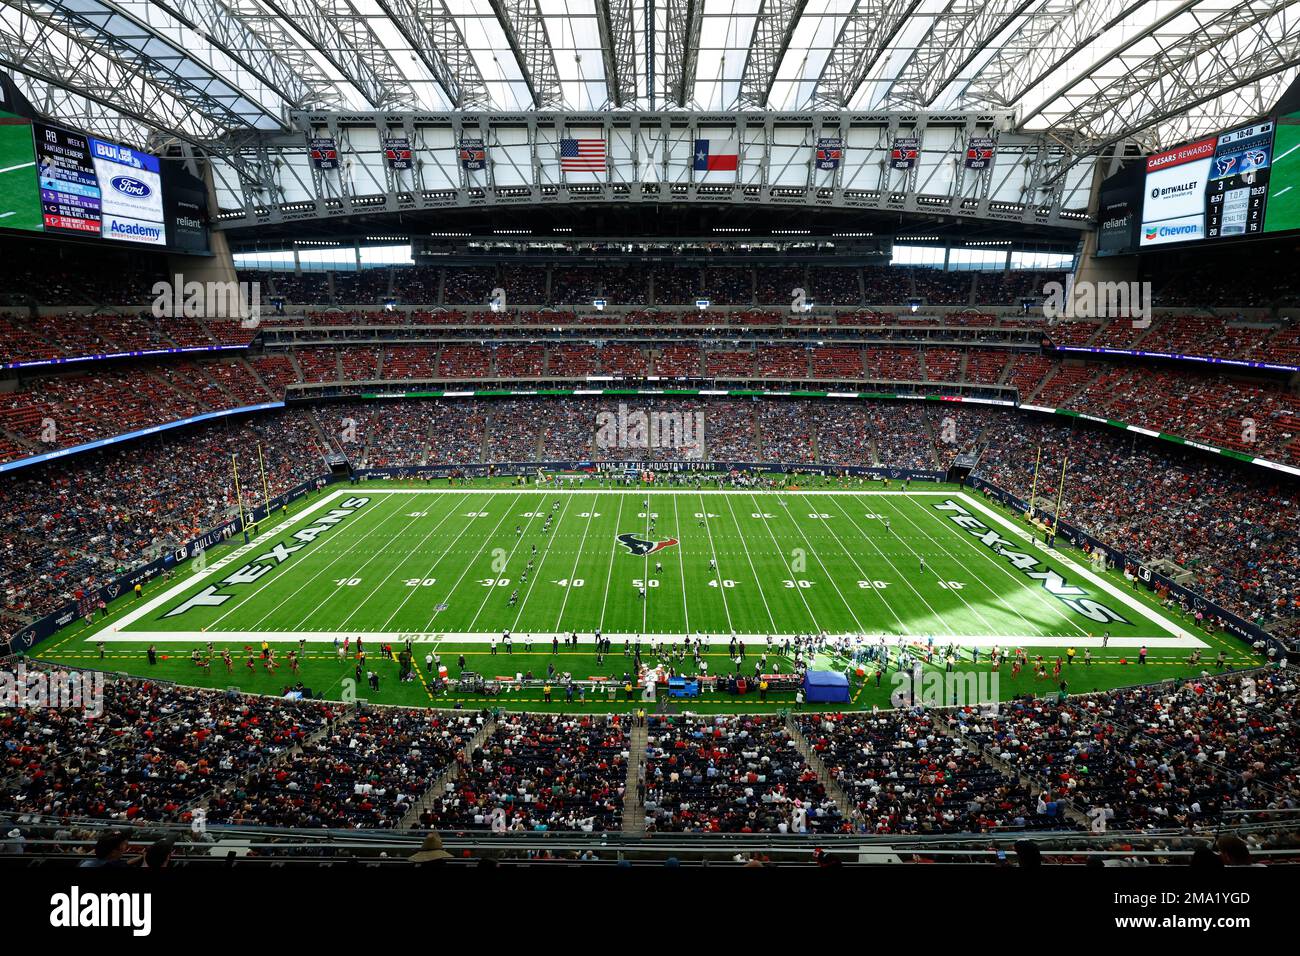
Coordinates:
[441,565]
[1282,211]
[20,198]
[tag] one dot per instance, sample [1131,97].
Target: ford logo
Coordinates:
[131,187]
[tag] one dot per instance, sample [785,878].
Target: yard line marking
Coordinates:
[564,602]
[312,580]
[268,578]
[987,556]
[470,563]
[438,560]
[950,557]
[645,574]
[1281,192]
[902,628]
[835,584]
[901,576]
[681,563]
[779,550]
[744,544]
[540,564]
[428,534]
[613,553]
[717,569]
[492,588]
[10,169]
[1286,154]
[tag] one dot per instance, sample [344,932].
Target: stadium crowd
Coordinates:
[904,775]
[1156,757]
[731,774]
[539,772]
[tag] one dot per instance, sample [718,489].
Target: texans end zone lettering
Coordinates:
[643,546]
[1072,596]
[264,563]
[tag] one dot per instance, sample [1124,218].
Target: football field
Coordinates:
[467,566]
[1282,210]
[451,569]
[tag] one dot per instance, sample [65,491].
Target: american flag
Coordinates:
[582,155]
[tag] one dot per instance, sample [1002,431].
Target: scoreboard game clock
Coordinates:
[1238,185]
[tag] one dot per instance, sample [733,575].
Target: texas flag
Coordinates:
[716,155]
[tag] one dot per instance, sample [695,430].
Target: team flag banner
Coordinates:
[473,154]
[582,155]
[903,154]
[397,150]
[717,155]
[979,152]
[830,151]
[324,152]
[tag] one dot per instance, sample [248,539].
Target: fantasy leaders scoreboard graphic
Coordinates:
[62,182]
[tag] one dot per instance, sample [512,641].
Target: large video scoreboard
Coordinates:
[1211,188]
[66,183]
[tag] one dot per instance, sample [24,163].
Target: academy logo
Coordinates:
[643,546]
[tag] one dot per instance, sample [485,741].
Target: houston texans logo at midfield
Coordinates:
[643,546]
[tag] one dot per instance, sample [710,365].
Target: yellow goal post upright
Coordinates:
[1033,488]
[239,497]
[1060,496]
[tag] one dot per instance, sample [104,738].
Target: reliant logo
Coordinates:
[129,186]
[75,909]
[264,563]
[1053,583]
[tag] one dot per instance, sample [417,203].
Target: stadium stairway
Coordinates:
[633,798]
[439,786]
[282,757]
[818,766]
[1034,785]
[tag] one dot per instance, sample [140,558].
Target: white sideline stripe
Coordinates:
[10,169]
[214,567]
[1186,638]
[363,489]
[542,639]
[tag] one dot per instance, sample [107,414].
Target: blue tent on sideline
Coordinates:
[826,687]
